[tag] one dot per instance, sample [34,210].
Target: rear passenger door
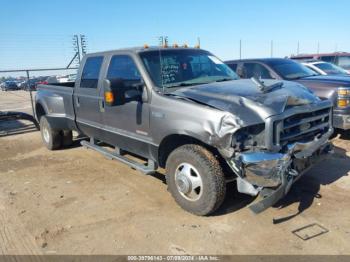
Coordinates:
[87,98]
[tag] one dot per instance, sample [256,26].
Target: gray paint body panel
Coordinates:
[222,108]
[211,113]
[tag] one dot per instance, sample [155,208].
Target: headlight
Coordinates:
[343,96]
[249,137]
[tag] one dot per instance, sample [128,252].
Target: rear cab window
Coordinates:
[91,72]
[256,70]
[233,66]
[330,59]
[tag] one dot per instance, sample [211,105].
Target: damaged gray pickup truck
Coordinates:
[184,110]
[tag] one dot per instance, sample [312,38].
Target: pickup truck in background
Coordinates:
[333,87]
[341,59]
[324,68]
[184,110]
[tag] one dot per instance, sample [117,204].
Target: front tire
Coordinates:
[195,179]
[51,138]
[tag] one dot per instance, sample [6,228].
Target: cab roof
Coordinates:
[142,49]
[261,60]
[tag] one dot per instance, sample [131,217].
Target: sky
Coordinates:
[38,33]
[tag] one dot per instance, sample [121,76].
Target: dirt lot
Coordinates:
[75,201]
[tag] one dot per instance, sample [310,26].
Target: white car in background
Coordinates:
[324,68]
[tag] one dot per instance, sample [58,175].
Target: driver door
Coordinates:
[126,124]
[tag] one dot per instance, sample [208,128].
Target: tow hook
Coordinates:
[290,178]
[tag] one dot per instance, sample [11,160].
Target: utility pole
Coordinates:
[271,47]
[163,41]
[76,47]
[83,44]
[298,48]
[318,47]
[240,49]
[199,42]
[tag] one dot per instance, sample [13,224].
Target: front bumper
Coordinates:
[272,174]
[341,121]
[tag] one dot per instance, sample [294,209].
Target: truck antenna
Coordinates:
[161,68]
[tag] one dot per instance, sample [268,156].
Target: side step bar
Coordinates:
[147,169]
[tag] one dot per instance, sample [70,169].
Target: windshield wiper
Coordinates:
[224,79]
[183,84]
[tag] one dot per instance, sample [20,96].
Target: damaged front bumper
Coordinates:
[272,174]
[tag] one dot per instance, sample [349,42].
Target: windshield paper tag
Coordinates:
[215,60]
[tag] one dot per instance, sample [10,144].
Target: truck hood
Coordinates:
[244,99]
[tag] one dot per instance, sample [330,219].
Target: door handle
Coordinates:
[77,101]
[102,105]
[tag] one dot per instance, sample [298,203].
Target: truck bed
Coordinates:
[66,84]
[60,98]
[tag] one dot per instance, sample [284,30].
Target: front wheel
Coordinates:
[51,138]
[195,179]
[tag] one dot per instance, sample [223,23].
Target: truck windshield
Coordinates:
[185,67]
[291,70]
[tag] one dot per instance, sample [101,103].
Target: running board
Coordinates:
[147,169]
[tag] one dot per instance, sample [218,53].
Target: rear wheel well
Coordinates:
[40,111]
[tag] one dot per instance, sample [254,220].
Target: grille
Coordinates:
[303,126]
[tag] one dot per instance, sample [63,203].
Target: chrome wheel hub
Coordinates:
[46,135]
[188,181]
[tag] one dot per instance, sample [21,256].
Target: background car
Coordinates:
[31,84]
[333,87]
[21,85]
[72,77]
[9,86]
[341,59]
[324,68]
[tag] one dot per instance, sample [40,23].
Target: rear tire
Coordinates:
[195,179]
[51,138]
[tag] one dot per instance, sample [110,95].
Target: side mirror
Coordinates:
[119,92]
[108,94]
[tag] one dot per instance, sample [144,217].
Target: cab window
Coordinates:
[125,77]
[122,71]
[91,72]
